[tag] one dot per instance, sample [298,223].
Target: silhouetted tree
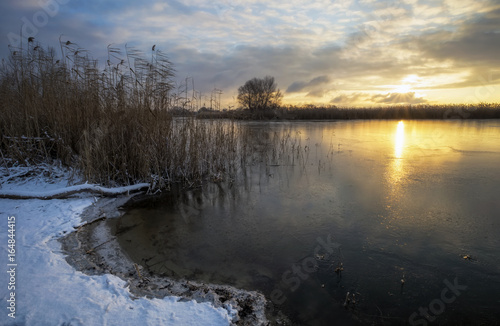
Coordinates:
[260,94]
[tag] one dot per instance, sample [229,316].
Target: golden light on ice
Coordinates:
[397,171]
[399,140]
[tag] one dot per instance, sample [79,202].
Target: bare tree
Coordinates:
[260,94]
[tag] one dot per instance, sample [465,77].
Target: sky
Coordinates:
[343,53]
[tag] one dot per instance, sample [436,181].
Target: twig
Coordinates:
[138,271]
[93,249]
[5,163]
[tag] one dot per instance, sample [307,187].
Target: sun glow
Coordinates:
[402,89]
[408,84]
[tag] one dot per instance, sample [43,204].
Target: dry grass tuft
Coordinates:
[112,122]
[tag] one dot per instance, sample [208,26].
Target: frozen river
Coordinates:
[404,216]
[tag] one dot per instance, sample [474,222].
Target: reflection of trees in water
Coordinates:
[264,150]
[273,144]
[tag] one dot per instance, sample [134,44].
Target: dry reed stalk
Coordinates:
[113,123]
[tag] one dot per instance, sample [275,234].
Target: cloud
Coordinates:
[398,98]
[314,86]
[319,92]
[296,87]
[349,99]
[180,7]
[357,48]
[475,43]
[368,99]
[319,80]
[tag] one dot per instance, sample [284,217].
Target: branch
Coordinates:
[66,192]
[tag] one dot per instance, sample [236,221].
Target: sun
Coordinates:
[407,84]
[402,89]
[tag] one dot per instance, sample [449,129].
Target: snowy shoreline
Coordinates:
[49,290]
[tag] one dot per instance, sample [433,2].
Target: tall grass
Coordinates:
[111,121]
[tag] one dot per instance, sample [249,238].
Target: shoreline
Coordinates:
[93,250]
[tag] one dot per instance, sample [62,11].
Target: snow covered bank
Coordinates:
[68,191]
[48,291]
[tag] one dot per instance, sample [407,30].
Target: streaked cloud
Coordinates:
[360,52]
[314,87]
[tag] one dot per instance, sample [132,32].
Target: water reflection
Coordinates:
[401,198]
[397,169]
[400,140]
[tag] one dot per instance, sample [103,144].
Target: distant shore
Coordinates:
[396,112]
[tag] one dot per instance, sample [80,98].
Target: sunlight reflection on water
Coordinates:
[400,140]
[406,197]
[397,171]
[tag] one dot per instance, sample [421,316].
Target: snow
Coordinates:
[72,189]
[48,291]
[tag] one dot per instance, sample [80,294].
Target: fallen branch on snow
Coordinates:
[65,192]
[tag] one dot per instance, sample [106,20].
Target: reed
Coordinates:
[112,122]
